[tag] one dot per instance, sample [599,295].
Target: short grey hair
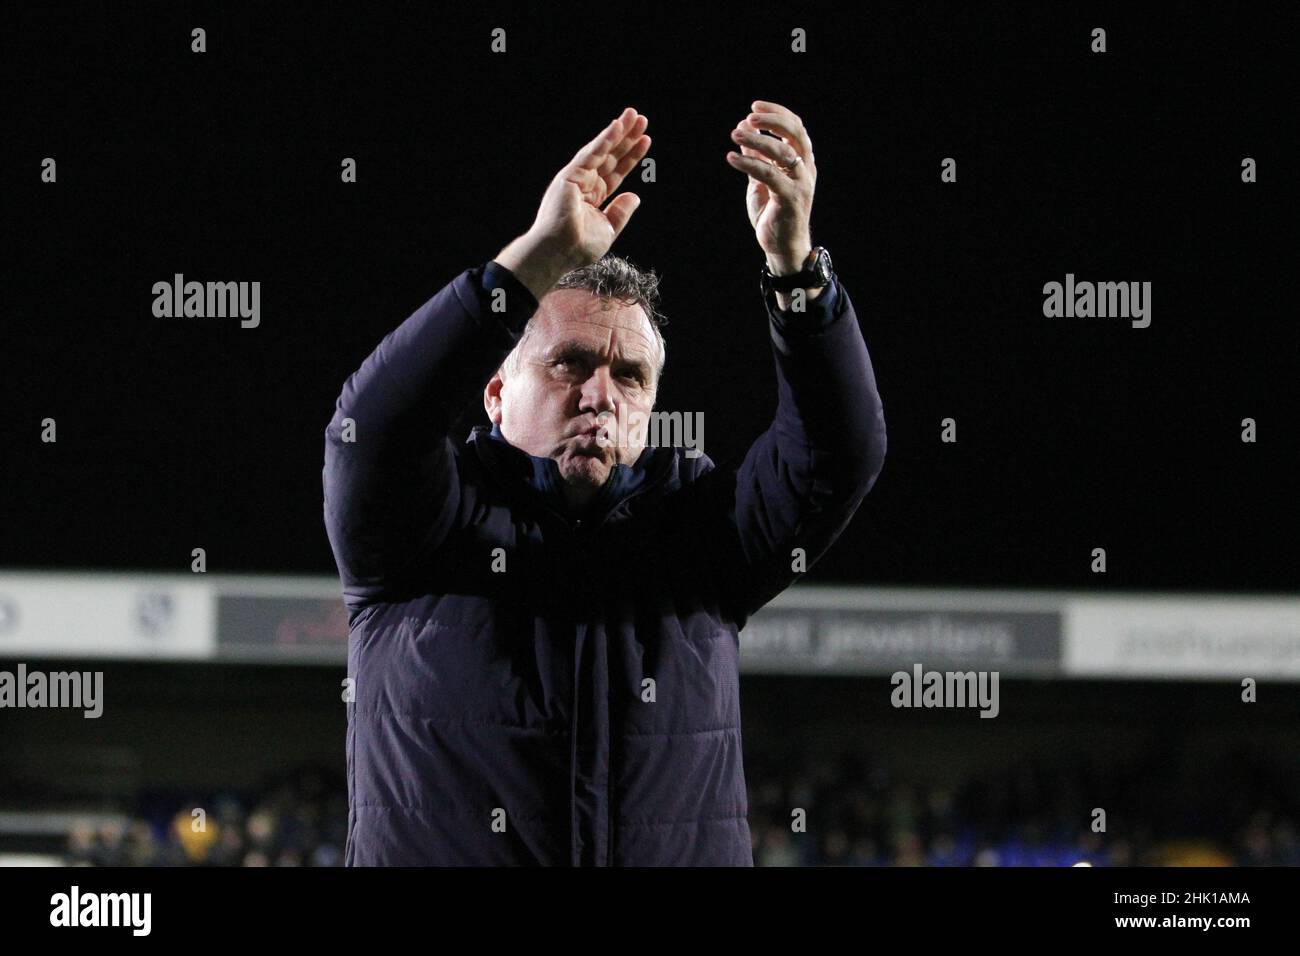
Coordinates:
[610,277]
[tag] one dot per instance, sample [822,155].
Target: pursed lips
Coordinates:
[589,443]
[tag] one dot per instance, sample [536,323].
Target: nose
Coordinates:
[597,392]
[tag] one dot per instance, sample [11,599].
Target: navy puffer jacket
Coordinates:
[529,689]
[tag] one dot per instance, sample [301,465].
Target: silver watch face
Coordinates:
[822,265]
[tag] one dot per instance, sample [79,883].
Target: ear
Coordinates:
[492,397]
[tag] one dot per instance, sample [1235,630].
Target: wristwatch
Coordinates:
[816,272]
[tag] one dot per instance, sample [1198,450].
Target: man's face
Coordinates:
[590,363]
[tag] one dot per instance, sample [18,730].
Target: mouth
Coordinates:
[591,443]
[595,440]
[597,430]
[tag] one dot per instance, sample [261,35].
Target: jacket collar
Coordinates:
[542,475]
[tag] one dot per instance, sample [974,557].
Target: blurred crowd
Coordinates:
[849,813]
[843,812]
[301,821]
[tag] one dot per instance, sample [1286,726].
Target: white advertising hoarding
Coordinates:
[105,615]
[1177,636]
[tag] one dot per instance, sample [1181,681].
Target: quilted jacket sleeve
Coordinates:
[802,480]
[391,490]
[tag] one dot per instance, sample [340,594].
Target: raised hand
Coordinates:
[571,229]
[570,210]
[782,178]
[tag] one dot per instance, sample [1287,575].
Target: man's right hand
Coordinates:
[571,230]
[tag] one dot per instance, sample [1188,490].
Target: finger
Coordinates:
[780,152]
[787,115]
[767,174]
[623,156]
[631,140]
[620,210]
[791,132]
[750,151]
[746,150]
[627,163]
[787,165]
[631,136]
[744,143]
[593,154]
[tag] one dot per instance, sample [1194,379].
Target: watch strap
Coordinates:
[816,272]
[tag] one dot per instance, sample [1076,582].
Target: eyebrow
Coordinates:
[574,347]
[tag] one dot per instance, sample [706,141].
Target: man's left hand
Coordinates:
[782,177]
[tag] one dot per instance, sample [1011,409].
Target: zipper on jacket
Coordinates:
[646,485]
[576,525]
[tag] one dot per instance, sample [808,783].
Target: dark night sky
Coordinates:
[1072,433]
